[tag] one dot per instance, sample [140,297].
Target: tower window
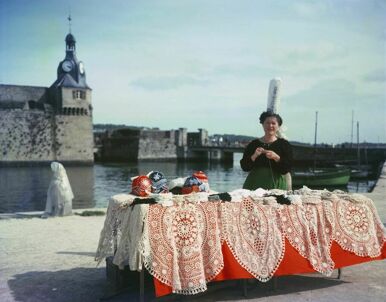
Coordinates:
[78,95]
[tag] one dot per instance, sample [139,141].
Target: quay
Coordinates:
[53,260]
[133,144]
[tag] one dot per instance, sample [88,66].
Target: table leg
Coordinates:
[142,285]
[339,273]
[274,280]
[245,287]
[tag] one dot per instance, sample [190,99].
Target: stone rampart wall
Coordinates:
[157,145]
[28,136]
[25,135]
[73,138]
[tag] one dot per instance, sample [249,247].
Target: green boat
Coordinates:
[321,177]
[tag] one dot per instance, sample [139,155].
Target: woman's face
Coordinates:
[270,125]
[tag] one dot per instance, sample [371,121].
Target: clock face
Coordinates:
[67,66]
[81,67]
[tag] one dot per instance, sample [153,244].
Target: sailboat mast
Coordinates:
[358,149]
[316,127]
[315,140]
[352,128]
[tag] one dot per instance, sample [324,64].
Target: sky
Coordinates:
[208,63]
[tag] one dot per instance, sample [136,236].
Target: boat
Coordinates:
[357,172]
[321,177]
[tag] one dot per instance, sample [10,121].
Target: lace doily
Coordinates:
[111,232]
[358,228]
[253,234]
[309,229]
[128,251]
[184,246]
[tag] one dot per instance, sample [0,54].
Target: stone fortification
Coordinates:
[25,135]
[132,144]
[157,144]
[69,148]
[11,95]
[43,124]
[120,145]
[33,136]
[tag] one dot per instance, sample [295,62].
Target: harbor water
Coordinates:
[25,188]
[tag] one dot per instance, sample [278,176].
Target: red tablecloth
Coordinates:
[292,263]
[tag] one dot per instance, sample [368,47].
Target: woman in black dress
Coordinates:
[267,159]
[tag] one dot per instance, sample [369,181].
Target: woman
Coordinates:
[267,159]
[59,193]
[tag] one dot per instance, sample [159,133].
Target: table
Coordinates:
[193,242]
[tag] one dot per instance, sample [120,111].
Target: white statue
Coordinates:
[59,193]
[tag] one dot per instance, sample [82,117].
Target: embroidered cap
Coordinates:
[159,182]
[141,186]
[192,184]
[200,176]
[203,178]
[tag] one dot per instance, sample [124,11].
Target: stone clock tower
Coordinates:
[72,109]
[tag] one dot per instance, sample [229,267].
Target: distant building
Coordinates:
[133,144]
[41,124]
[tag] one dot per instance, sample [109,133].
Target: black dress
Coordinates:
[263,172]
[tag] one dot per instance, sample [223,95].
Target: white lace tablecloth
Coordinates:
[179,242]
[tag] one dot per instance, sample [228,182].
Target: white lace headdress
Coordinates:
[273,101]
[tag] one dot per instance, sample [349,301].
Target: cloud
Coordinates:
[335,99]
[310,9]
[315,53]
[153,83]
[335,93]
[376,76]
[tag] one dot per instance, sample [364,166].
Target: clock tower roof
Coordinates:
[70,38]
[71,72]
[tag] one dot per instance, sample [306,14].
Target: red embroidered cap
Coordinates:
[141,186]
[192,184]
[201,176]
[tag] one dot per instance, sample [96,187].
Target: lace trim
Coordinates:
[182,246]
[184,240]
[128,252]
[111,232]
[252,232]
[309,229]
[358,228]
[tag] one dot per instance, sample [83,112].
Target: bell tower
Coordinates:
[71,101]
[70,90]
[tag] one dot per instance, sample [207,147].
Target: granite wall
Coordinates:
[74,138]
[157,144]
[26,135]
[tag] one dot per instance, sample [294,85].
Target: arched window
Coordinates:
[79,95]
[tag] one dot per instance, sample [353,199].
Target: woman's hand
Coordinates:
[257,153]
[272,155]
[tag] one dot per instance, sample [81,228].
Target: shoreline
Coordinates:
[53,260]
[38,214]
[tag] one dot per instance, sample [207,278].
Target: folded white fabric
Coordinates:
[177,182]
[239,194]
[295,199]
[124,198]
[164,199]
